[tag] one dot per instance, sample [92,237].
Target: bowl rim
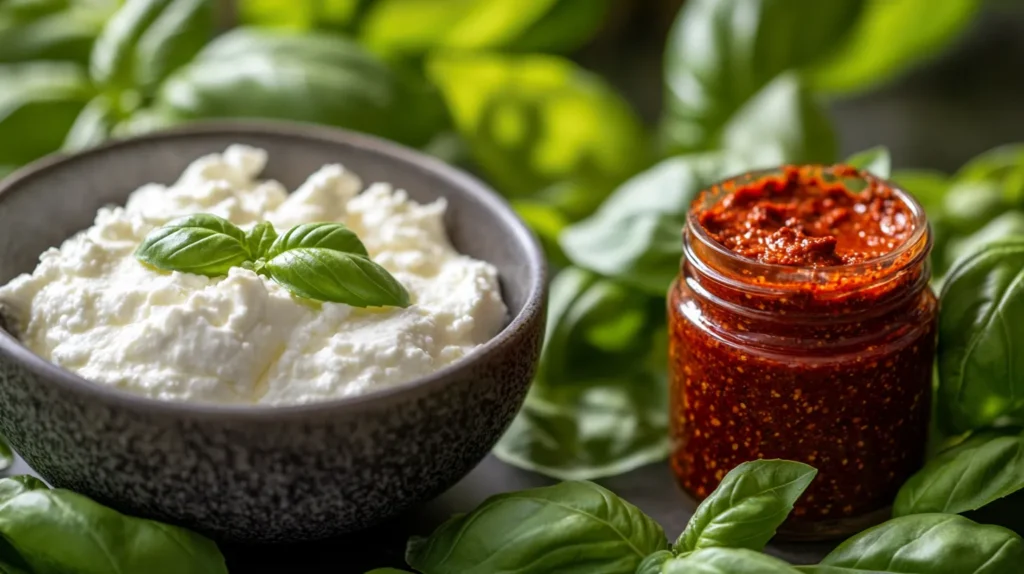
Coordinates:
[522,235]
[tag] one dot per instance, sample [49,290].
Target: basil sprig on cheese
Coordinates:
[320,261]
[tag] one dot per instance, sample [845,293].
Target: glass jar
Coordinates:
[831,366]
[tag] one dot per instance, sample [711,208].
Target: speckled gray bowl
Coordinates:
[264,473]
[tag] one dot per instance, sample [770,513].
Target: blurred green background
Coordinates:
[598,119]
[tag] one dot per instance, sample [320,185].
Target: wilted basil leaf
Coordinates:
[203,244]
[328,275]
[414,27]
[38,104]
[92,126]
[259,239]
[532,121]
[312,77]
[887,38]
[334,236]
[875,160]
[721,53]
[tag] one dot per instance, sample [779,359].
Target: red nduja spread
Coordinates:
[802,327]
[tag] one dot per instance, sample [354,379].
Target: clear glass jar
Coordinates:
[831,366]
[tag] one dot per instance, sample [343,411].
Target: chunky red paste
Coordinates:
[835,371]
[790,219]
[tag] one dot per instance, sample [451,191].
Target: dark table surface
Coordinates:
[651,488]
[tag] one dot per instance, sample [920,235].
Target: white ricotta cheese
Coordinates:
[92,308]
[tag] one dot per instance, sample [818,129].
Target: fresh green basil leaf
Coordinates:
[653,563]
[313,77]
[414,27]
[333,236]
[721,53]
[38,104]
[55,531]
[532,121]
[113,56]
[58,30]
[570,528]
[172,40]
[749,504]
[1002,166]
[782,123]
[978,471]
[598,404]
[327,275]
[1007,225]
[147,120]
[92,126]
[889,37]
[636,235]
[259,240]
[6,454]
[15,485]
[980,332]
[926,544]
[598,428]
[875,160]
[203,244]
[548,222]
[301,14]
[727,561]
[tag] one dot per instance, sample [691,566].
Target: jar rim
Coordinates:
[919,240]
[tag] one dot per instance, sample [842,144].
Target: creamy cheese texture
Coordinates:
[92,308]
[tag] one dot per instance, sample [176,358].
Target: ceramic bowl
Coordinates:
[265,474]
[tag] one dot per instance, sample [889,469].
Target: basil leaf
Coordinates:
[1008,225]
[570,528]
[721,53]
[512,110]
[875,160]
[327,275]
[333,236]
[313,77]
[93,539]
[15,485]
[259,239]
[51,30]
[597,406]
[727,561]
[984,468]
[203,244]
[113,56]
[654,562]
[881,44]
[980,380]
[636,235]
[92,126]
[782,123]
[749,504]
[1002,166]
[337,15]
[926,544]
[38,104]
[6,454]
[147,120]
[172,40]
[413,27]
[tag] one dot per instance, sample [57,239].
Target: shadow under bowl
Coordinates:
[265,474]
